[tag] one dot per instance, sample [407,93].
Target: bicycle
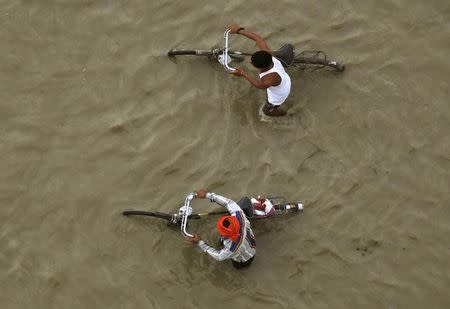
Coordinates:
[272,207]
[306,59]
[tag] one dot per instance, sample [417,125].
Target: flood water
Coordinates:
[95,119]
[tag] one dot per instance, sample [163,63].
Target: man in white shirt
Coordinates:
[272,76]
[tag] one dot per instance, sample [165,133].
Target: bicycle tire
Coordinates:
[319,62]
[156,214]
[283,206]
[282,209]
[180,52]
[202,52]
[161,215]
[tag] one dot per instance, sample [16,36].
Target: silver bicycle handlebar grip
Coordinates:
[225,51]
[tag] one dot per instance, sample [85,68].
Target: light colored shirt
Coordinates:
[241,250]
[276,95]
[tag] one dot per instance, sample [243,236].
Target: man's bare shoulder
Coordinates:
[271,79]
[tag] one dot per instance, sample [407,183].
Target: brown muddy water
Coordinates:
[96,119]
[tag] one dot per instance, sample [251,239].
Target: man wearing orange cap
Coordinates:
[237,236]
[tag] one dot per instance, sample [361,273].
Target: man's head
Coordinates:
[228,227]
[262,59]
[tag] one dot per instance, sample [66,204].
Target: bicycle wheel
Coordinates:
[155,214]
[234,54]
[175,218]
[179,52]
[285,208]
[318,63]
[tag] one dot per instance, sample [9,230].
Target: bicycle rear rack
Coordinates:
[317,54]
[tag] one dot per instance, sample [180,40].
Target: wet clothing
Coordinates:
[271,106]
[244,248]
[276,95]
[243,264]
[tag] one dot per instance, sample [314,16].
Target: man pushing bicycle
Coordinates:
[272,76]
[237,237]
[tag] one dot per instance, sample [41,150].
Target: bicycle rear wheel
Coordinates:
[287,208]
[317,63]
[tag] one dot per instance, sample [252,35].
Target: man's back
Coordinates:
[239,243]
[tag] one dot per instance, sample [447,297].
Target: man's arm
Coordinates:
[272,79]
[229,204]
[218,255]
[262,44]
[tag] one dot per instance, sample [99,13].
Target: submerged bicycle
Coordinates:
[254,209]
[313,60]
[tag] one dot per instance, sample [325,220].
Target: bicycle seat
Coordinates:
[246,205]
[285,54]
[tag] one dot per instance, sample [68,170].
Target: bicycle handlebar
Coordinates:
[225,51]
[185,211]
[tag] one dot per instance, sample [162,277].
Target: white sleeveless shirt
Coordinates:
[276,95]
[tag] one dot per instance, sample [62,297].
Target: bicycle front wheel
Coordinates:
[155,214]
[179,52]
